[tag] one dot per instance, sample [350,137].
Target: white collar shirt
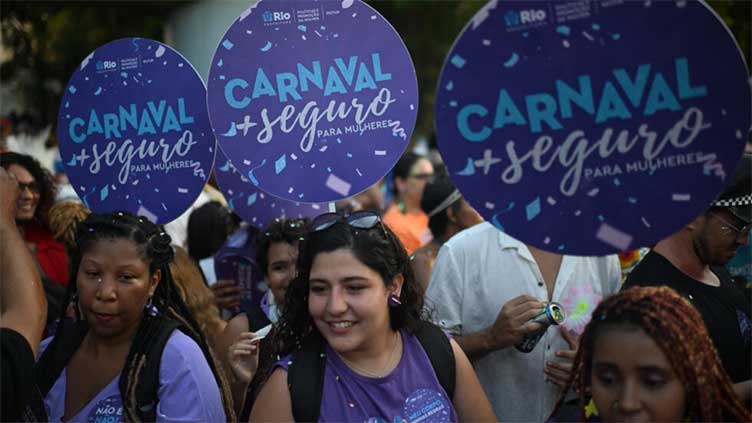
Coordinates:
[476,273]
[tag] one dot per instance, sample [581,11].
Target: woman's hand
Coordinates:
[227,294]
[243,357]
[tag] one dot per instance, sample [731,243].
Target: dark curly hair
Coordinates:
[41,176]
[678,329]
[154,247]
[290,231]
[383,254]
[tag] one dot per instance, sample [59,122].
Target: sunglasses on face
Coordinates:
[33,187]
[423,176]
[731,228]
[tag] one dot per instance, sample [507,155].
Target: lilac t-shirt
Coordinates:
[187,389]
[411,392]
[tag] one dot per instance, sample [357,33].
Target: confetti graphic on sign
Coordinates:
[254,206]
[117,128]
[288,86]
[600,151]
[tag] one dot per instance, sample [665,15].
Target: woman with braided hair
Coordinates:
[646,356]
[108,365]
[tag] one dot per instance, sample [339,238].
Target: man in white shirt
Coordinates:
[485,287]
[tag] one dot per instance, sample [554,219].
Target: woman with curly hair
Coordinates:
[646,356]
[357,307]
[276,254]
[33,205]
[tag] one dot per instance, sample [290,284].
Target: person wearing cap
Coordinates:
[448,213]
[691,261]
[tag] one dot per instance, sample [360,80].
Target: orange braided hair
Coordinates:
[678,329]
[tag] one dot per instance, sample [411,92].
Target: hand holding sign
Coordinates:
[227,294]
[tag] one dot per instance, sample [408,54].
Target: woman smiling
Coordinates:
[356,301]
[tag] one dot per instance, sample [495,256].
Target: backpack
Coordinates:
[56,358]
[256,318]
[55,295]
[305,375]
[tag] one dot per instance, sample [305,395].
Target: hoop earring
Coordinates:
[73,305]
[150,308]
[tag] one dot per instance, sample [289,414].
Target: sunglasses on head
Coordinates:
[364,219]
[359,220]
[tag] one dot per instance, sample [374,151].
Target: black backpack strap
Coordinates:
[58,354]
[305,376]
[256,318]
[147,391]
[439,350]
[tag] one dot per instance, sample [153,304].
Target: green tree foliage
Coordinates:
[48,40]
[737,15]
[429,29]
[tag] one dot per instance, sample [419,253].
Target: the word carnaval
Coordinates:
[151,118]
[339,77]
[645,96]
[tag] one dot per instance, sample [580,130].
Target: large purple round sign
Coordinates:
[134,131]
[255,206]
[312,101]
[589,128]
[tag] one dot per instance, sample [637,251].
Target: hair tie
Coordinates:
[454,196]
[160,245]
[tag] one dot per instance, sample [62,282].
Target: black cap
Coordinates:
[737,197]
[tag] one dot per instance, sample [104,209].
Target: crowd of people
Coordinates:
[406,311]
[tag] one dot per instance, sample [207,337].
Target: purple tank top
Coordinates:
[410,393]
